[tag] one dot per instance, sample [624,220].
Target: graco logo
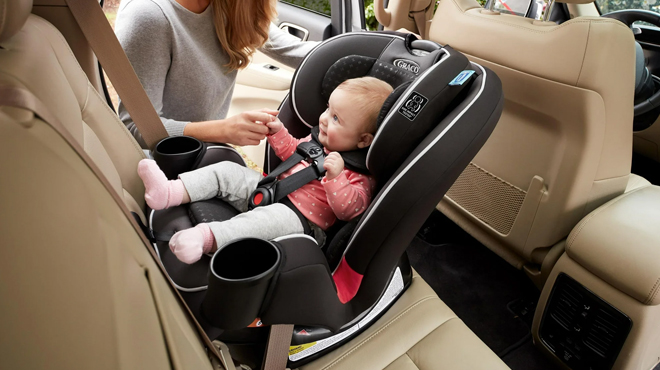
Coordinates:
[411,108]
[407,65]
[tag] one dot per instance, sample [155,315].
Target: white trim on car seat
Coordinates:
[421,154]
[401,100]
[295,78]
[189,290]
[394,290]
[291,236]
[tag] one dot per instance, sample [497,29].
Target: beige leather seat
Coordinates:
[80,290]
[563,145]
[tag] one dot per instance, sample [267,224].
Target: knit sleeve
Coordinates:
[145,33]
[285,48]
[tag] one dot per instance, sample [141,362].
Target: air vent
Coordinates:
[604,331]
[568,303]
[580,328]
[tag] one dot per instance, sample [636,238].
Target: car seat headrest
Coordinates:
[354,66]
[14,14]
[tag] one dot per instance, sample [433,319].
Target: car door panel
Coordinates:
[265,82]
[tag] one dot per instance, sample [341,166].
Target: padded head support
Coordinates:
[419,72]
[13,14]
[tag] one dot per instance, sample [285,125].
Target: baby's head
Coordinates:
[350,121]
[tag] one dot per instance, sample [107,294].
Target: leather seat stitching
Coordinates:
[383,328]
[649,297]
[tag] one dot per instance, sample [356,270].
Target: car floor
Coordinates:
[494,299]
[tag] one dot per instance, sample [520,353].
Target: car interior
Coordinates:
[533,242]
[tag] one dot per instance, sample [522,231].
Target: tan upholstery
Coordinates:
[418,332]
[563,145]
[620,243]
[12,16]
[38,58]
[79,288]
[641,350]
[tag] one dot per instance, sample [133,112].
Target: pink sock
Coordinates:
[159,192]
[189,245]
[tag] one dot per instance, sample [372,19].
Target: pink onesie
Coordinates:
[325,201]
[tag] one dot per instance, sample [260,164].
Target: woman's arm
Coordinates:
[146,36]
[285,48]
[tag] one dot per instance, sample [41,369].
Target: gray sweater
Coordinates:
[179,61]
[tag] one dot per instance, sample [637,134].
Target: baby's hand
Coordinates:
[333,165]
[274,126]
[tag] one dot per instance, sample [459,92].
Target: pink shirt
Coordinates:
[325,201]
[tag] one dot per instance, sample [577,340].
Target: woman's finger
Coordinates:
[257,128]
[270,111]
[255,116]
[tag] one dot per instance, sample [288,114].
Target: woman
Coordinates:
[187,53]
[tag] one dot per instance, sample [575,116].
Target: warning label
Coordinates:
[299,348]
[413,105]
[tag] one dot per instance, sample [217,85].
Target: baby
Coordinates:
[349,123]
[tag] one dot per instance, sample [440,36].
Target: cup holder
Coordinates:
[177,154]
[239,276]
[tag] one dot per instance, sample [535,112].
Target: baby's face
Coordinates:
[342,125]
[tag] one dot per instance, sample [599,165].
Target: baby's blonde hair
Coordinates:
[370,93]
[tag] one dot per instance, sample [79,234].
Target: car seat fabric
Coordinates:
[397,135]
[428,133]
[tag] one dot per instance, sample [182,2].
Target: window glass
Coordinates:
[515,7]
[607,6]
[110,8]
[318,6]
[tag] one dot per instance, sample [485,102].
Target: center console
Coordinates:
[600,308]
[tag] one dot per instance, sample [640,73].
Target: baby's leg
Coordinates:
[268,222]
[228,181]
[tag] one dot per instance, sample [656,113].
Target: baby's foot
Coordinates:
[159,192]
[189,245]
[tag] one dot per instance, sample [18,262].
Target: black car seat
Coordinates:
[429,131]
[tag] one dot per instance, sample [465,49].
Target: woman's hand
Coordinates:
[247,128]
[333,165]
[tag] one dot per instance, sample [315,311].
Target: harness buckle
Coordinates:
[314,155]
[262,196]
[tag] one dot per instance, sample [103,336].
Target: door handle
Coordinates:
[295,30]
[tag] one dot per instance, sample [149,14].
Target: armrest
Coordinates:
[620,243]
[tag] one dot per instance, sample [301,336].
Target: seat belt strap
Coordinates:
[102,39]
[277,348]
[17,97]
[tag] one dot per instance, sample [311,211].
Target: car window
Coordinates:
[110,8]
[317,6]
[608,6]
[523,8]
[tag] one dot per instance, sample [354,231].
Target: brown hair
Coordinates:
[242,27]
[370,93]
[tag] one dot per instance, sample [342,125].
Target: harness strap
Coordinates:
[272,190]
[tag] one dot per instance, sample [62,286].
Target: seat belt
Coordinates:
[420,15]
[17,97]
[100,36]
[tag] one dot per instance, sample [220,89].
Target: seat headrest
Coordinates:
[13,14]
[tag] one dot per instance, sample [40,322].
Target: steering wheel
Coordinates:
[647,99]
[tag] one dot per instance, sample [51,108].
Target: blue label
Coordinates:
[461,78]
